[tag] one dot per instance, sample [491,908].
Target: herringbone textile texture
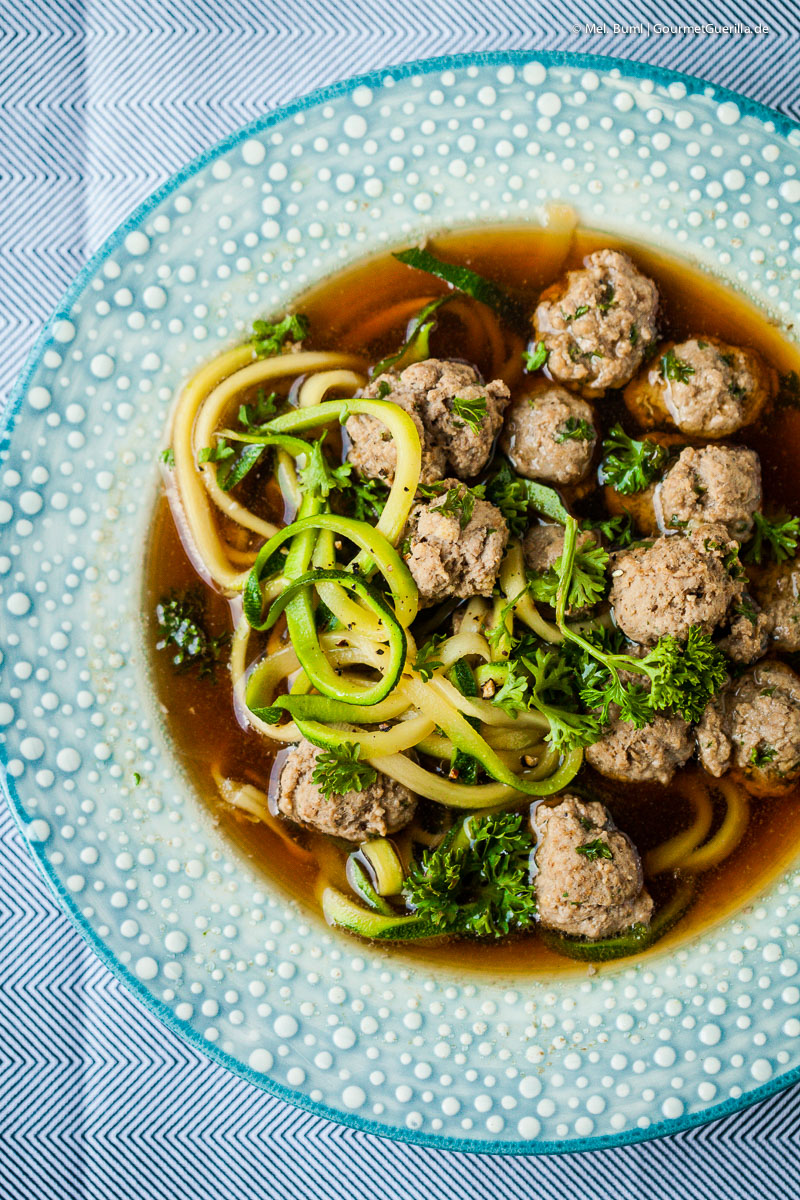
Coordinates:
[99,103]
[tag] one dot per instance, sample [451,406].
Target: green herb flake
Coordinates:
[594,850]
[168,456]
[426,661]
[760,756]
[268,337]
[535,359]
[471,412]
[574,429]
[776,538]
[675,369]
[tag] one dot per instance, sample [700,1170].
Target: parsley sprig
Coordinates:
[269,336]
[628,465]
[318,477]
[181,629]
[426,661]
[776,538]
[683,676]
[588,582]
[477,883]
[338,770]
[516,497]
[458,501]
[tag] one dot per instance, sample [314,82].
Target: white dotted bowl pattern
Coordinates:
[349,1031]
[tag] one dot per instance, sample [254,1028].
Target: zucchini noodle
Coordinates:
[213,390]
[689,851]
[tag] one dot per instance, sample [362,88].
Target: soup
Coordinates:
[486,730]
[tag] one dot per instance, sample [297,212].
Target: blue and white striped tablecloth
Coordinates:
[99,101]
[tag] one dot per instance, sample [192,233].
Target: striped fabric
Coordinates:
[100,102]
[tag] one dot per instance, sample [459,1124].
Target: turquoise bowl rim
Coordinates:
[640,70]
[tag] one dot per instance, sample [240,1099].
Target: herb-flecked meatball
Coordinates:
[703,386]
[777,590]
[456,415]
[673,583]
[383,807]
[454,543]
[550,434]
[712,484]
[752,728]
[634,755]
[597,322]
[589,874]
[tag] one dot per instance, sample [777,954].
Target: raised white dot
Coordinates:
[176,941]
[102,366]
[137,243]
[154,297]
[353,1096]
[260,1060]
[549,104]
[285,1026]
[39,398]
[761,1070]
[710,1034]
[528,1127]
[147,967]
[18,604]
[672,1108]
[728,113]
[63,331]
[38,831]
[31,748]
[362,97]
[790,190]
[68,759]
[355,125]
[253,152]
[344,1038]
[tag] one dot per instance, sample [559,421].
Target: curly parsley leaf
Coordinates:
[338,771]
[457,501]
[471,412]
[628,465]
[168,456]
[553,694]
[618,531]
[516,497]
[574,429]
[268,337]
[368,497]
[775,538]
[181,629]
[588,581]
[255,414]
[477,882]
[318,477]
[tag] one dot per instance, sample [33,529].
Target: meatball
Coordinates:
[712,484]
[589,874]
[748,633]
[703,386]
[454,544]
[439,396]
[550,434]
[778,592]
[637,755]
[383,807]
[597,322]
[673,583]
[752,727]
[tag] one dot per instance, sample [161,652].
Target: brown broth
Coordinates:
[201,717]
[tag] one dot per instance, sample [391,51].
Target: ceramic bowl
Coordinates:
[383,1043]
